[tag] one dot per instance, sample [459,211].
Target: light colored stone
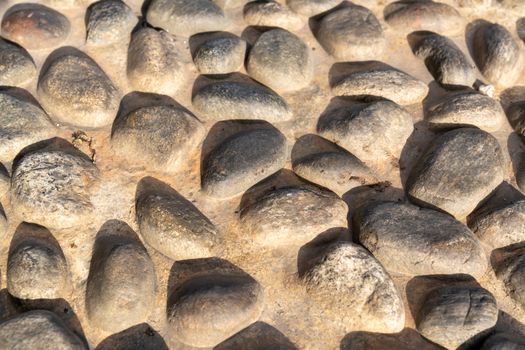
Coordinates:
[17,66]
[220,55]
[271,14]
[109,22]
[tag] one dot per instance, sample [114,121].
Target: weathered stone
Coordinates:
[258,336]
[141,337]
[408,16]
[220,55]
[458,170]
[211,300]
[170,223]
[452,315]
[17,66]
[310,8]
[281,60]
[443,58]
[153,62]
[509,266]
[414,241]
[89,102]
[268,13]
[351,33]
[36,266]
[408,339]
[109,22]
[497,54]
[379,79]
[242,160]
[52,183]
[35,26]
[503,341]
[516,116]
[186,17]
[361,284]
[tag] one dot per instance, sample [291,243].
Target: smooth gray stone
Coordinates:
[18,67]
[109,22]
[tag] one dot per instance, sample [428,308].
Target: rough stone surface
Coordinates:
[269,13]
[509,266]
[309,8]
[141,337]
[452,315]
[17,66]
[516,116]
[408,339]
[410,240]
[220,55]
[211,300]
[457,171]
[170,223]
[503,341]
[258,336]
[108,22]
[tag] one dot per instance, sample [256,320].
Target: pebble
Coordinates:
[154,63]
[35,26]
[351,33]
[516,116]
[221,54]
[242,160]
[18,67]
[503,341]
[121,285]
[90,102]
[414,241]
[466,109]
[408,16]
[458,170]
[139,337]
[443,58]
[52,183]
[375,132]
[379,79]
[211,300]
[186,17]
[38,330]
[281,60]
[258,336]
[408,339]
[344,276]
[240,100]
[497,54]
[451,315]
[109,22]
[268,13]
[170,223]
[310,8]
[23,122]
[509,266]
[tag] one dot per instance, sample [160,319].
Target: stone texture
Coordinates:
[186,17]
[17,66]
[457,171]
[220,55]
[267,13]
[109,22]
[452,315]
[443,58]
[503,341]
[211,300]
[258,336]
[410,240]
[379,79]
[516,116]
[310,8]
[52,183]
[361,285]
[230,4]
[408,339]
[90,102]
[139,337]
[170,223]
[5,180]
[509,265]
[35,26]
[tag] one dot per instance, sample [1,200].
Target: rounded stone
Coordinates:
[516,116]
[281,61]
[267,13]
[509,265]
[17,66]
[310,8]
[35,26]
[89,102]
[408,339]
[258,336]
[109,22]
[220,55]
[141,336]
[503,341]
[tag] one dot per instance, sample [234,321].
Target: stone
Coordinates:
[361,284]
[141,337]
[292,215]
[351,33]
[18,67]
[121,285]
[503,341]
[466,109]
[268,13]
[497,54]
[158,133]
[443,58]
[186,17]
[258,336]
[516,116]
[242,160]
[171,224]
[3,222]
[407,339]
[281,60]
[379,79]
[154,63]
[375,132]
[458,170]
[509,265]
[211,300]
[220,55]
[240,100]
[5,180]
[451,315]
[229,4]
[415,241]
[36,266]
[408,16]
[23,122]
[38,330]
[52,183]
[35,26]
[109,22]
[310,8]
[90,102]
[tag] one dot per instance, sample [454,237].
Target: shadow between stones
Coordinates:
[258,336]
[470,30]
[141,336]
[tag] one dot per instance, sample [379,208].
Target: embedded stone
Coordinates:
[109,22]
[310,8]
[509,265]
[516,116]
[503,341]
[141,336]
[408,339]
[258,336]
[17,66]
[220,55]
[267,13]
